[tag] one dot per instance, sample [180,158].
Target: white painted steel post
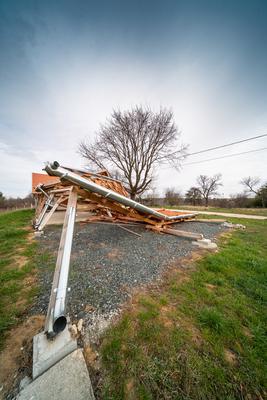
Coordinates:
[56,319]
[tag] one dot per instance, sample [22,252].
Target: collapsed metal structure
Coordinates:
[107,200]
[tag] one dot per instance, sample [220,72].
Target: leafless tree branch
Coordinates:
[208,186]
[250,184]
[133,142]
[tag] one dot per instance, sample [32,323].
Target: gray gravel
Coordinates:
[107,262]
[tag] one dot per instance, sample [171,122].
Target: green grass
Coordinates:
[246,211]
[15,296]
[202,335]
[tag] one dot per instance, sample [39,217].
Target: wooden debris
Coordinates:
[80,325]
[104,209]
[175,232]
[129,230]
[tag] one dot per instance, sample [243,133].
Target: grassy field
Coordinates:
[247,211]
[17,254]
[202,335]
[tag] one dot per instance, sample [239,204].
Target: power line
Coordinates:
[220,147]
[226,145]
[227,156]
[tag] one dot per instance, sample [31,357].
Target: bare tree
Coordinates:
[193,196]
[134,142]
[251,185]
[208,186]
[172,196]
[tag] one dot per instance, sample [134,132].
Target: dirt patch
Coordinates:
[181,276]
[30,237]
[91,356]
[16,358]
[194,256]
[167,316]
[210,287]
[184,266]
[194,332]
[230,356]
[20,261]
[247,332]
[130,393]
[226,235]
[29,281]
[28,284]
[89,308]
[92,360]
[114,254]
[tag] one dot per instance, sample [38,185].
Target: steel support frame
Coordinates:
[56,319]
[47,204]
[51,212]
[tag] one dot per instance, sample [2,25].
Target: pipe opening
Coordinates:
[60,324]
[55,165]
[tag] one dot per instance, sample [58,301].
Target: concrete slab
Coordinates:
[58,217]
[67,380]
[46,353]
[38,233]
[205,244]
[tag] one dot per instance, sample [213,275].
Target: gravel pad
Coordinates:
[107,262]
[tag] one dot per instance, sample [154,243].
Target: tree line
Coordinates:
[206,191]
[7,203]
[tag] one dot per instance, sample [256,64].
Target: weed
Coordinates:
[212,319]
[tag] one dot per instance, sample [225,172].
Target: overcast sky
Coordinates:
[64,65]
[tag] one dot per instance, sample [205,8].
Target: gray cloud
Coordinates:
[64,65]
